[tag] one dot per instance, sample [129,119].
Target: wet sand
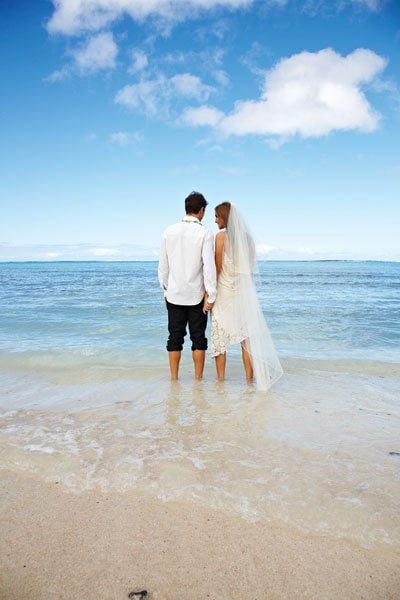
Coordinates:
[102,546]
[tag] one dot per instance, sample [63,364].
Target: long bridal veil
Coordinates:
[240,247]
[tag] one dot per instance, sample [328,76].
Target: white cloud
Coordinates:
[105,252]
[77,252]
[123,138]
[221,77]
[373,5]
[139,61]
[319,6]
[309,94]
[120,137]
[60,74]
[209,61]
[154,96]
[72,17]
[204,115]
[264,250]
[150,252]
[145,95]
[267,251]
[190,86]
[305,251]
[99,52]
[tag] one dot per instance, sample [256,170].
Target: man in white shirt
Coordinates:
[186,272]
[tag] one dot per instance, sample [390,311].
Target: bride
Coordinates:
[236,316]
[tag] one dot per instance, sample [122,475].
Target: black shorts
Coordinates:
[179,317]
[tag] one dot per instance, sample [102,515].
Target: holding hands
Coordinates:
[207,306]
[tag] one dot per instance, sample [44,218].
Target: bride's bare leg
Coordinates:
[248,367]
[220,363]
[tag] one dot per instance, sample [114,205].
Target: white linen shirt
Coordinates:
[186,269]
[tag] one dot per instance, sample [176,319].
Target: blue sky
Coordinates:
[112,111]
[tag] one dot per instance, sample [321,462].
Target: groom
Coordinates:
[186,272]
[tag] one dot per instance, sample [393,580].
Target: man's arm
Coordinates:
[209,272]
[163,266]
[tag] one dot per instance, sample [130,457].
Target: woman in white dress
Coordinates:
[236,315]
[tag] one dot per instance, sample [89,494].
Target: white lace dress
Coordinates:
[228,326]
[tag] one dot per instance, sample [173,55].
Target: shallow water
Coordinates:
[314,453]
[83,402]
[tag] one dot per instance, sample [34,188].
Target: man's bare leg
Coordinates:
[248,367]
[220,363]
[174,360]
[199,357]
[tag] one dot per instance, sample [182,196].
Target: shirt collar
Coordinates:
[189,219]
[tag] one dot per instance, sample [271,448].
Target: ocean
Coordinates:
[86,398]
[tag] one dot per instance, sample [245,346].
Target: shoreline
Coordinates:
[103,545]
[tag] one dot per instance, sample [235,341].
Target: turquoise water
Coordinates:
[115,310]
[86,399]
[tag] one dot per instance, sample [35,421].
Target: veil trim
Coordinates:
[239,245]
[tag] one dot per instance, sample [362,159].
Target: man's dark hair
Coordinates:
[194,202]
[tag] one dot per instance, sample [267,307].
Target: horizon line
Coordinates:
[94,260]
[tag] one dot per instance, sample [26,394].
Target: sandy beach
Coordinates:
[102,546]
[115,481]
